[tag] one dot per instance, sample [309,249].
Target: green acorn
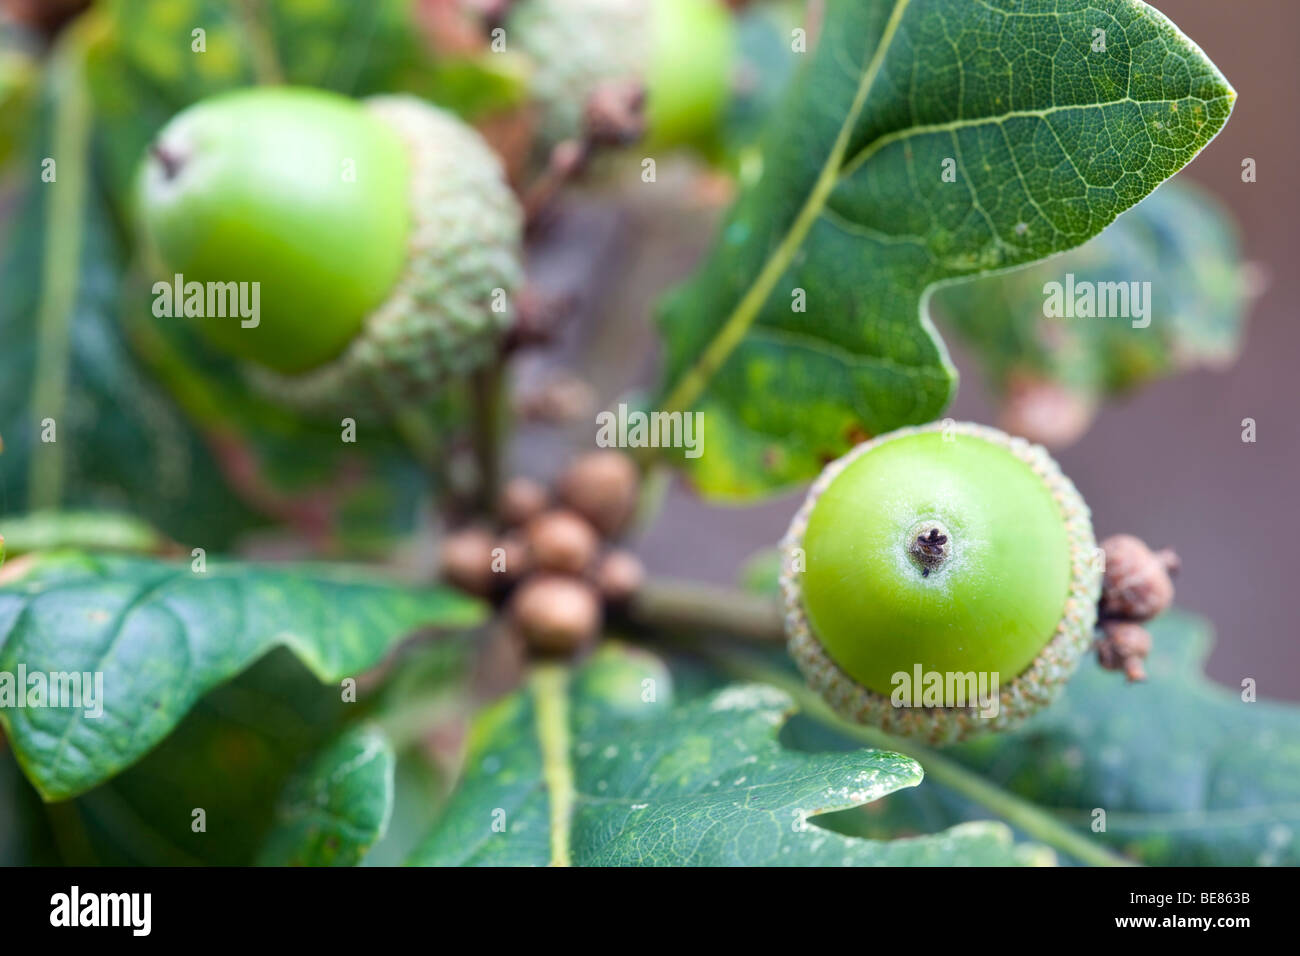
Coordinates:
[681,50]
[381,235]
[944,549]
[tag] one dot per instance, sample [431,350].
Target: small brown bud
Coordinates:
[602,486]
[1046,412]
[522,499]
[1134,670]
[1128,639]
[1123,647]
[614,114]
[562,541]
[1107,657]
[467,560]
[568,157]
[1137,586]
[515,558]
[1170,559]
[539,316]
[556,614]
[619,575]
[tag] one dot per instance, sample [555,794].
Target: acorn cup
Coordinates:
[680,52]
[374,246]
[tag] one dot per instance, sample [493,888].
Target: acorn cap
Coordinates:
[439,320]
[620,70]
[1032,689]
[575,46]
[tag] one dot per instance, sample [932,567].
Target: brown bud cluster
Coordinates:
[1137,586]
[550,562]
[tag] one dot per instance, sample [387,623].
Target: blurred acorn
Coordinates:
[562,541]
[556,614]
[602,486]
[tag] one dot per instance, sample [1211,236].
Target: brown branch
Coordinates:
[663,603]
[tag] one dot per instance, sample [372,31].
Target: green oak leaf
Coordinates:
[765,61]
[231,756]
[67,371]
[419,792]
[806,328]
[1187,772]
[162,635]
[601,767]
[86,530]
[1179,240]
[368,491]
[25,834]
[336,809]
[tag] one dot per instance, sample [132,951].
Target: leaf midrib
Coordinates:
[870,149]
[550,689]
[117,628]
[47,767]
[692,384]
